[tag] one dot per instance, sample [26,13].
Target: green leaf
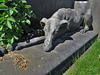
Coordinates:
[28,21]
[2,0]
[3,19]
[1,28]
[6,15]
[9,40]
[3,14]
[11,12]
[11,19]
[27,6]
[8,0]
[3,35]
[24,1]
[13,9]
[3,7]
[16,38]
[12,40]
[1,38]
[9,24]
[14,19]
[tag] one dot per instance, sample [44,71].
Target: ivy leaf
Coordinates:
[28,22]
[9,24]
[11,19]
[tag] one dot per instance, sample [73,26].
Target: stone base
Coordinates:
[44,63]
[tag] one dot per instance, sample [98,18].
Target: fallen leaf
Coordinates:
[2,59]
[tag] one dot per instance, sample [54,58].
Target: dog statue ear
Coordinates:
[43,22]
[64,24]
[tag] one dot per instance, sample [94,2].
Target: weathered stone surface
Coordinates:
[95,6]
[65,20]
[42,63]
[30,42]
[80,4]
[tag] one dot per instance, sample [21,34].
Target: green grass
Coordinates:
[87,64]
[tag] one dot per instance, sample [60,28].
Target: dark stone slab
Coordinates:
[53,61]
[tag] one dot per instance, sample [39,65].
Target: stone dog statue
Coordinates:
[62,21]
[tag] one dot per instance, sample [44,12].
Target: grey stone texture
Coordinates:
[80,4]
[53,61]
[27,43]
[31,42]
[95,6]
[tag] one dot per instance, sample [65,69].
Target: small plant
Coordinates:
[14,20]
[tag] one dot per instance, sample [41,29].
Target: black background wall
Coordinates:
[45,8]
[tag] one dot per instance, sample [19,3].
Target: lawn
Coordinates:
[87,64]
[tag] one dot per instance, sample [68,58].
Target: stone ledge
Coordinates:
[53,61]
